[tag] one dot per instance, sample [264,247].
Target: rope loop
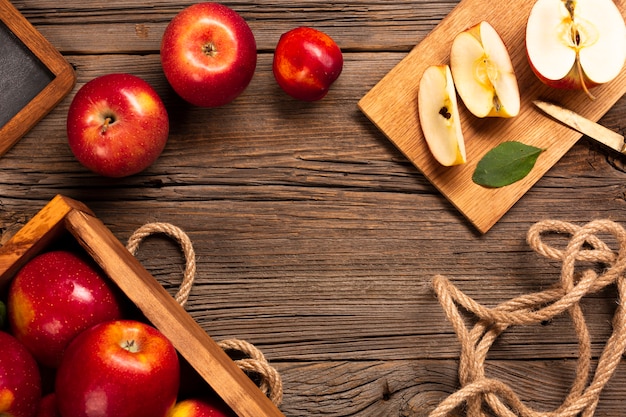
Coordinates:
[585,245]
[253,362]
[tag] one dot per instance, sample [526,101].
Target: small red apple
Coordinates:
[208,54]
[306,63]
[48,406]
[20,381]
[55,296]
[117,125]
[122,368]
[201,407]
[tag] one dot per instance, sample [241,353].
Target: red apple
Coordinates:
[20,381]
[117,125]
[208,54]
[122,368]
[306,63]
[48,406]
[201,407]
[55,296]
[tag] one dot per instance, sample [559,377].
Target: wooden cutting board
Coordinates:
[392,106]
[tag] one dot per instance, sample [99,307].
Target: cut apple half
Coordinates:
[439,116]
[483,73]
[576,44]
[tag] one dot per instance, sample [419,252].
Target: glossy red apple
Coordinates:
[55,296]
[306,63]
[48,406]
[117,125]
[20,381]
[208,54]
[201,407]
[122,368]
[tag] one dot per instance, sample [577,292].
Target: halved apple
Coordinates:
[576,44]
[439,115]
[483,73]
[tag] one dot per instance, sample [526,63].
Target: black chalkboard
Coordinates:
[23,75]
[34,76]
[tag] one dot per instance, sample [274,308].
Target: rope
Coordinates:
[253,362]
[479,391]
[185,243]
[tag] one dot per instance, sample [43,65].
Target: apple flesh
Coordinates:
[576,44]
[483,73]
[306,63]
[122,368]
[20,381]
[54,297]
[439,116]
[117,125]
[208,54]
[201,407]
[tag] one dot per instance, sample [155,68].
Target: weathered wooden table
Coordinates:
[317,241]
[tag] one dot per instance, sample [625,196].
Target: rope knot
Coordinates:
[585,245]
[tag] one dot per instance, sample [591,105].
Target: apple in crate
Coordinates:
[439,116]
[20,381]
[208,54]
[306,63]
[483,73]
[54,297]
[117,125]
[576,44]
[48,406]
[121,368]
[201,407]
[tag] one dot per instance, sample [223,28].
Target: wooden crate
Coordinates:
[63,216]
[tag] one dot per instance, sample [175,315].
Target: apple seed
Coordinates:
[445,113]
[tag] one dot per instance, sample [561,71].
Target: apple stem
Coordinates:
[581,74]
[107,123]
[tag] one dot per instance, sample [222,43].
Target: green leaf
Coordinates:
[505,164]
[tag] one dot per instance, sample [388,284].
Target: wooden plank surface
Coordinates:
[317,240]
[392,106]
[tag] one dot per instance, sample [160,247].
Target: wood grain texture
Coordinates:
[316,238]
[392,106]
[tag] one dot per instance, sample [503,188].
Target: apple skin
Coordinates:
[48,406]
[117,125]
[55,296]
[306,63]
[572,81]
[20,381]
[122,368]
[201,407]
[208,54]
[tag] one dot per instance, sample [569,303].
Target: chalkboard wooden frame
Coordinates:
[62,77]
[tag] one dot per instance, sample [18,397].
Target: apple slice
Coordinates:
[576,44]
[439,116]
[483,73]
